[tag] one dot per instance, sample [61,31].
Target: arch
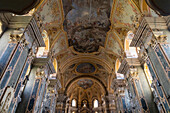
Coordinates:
[128,40]
[148,74]
[131,52]
[0,27]
[146,10]
[117,65]
[78,59]
[43,51]
[85,103]
[71,82]
[95,103]
[73,103]
[144,7]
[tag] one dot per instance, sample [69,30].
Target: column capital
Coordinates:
[143,56]
[133,72]
[16,35]
[161,38]
[31,54]
[119,86]
[45,63]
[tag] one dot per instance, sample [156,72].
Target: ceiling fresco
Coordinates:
[86,23]
[60,43]
[85,83]
[123,13]
[112,44]
[50,13]
[85,68]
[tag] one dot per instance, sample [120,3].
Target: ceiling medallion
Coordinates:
[85,68]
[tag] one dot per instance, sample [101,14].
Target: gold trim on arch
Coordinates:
[114,37]
[93,53]
[136,7]
[85,73]
[82,58]
[94,79]
[112,11]
[62,11]
[57,37]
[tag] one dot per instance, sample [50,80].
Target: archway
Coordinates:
[43,51]
[85,89]
[131,52]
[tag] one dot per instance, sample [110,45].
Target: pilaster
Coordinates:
[152,38]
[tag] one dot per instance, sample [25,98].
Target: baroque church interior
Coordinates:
[84,56]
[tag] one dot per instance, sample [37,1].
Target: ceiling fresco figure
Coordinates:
[86,24]
[85,83]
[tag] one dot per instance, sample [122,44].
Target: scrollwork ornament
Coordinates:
[161,38]
[143,57]
[16,35]
[31,55]
[153,42]
[24,42]
[133,72]
[40,71]
[135,20]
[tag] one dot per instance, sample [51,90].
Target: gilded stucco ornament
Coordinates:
[143,55]
[24,42]
[86,24]
[16,35]
[6,99]
[153,42]
[136,20]
[161,38]
[40,72]
[133,72]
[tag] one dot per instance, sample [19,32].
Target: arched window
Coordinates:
[28,70]
[148,74]
[73,103]
[117,65]
[118,75]
[84,103]
[0,27]
[95,103]
[43,51]
[131,52]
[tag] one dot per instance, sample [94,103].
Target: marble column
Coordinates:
[35,88]
[49,102]
[119,92]
[109,104]
[154,45]
[61,103]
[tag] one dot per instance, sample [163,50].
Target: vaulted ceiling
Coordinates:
[86,38]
